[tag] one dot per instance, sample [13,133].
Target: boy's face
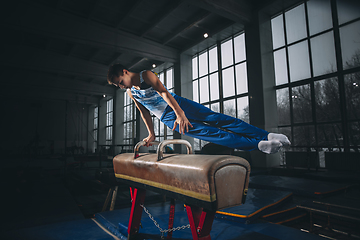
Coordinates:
[123,81]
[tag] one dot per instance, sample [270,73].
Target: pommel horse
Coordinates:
[205,183]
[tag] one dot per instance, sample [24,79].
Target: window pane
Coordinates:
[129,113]
[239,44]
[196,144]
[214,87]
[125,99]
[125,130]
[111,105]
[109,119]
[228,82]
[156,126]
[277,28]
[281,73]
[204,90]
[299,61]
[295,24]
[195,91]
[352,91]
[301,99]
[213,59]
[195,67]
[319,12]
[354,134]
[95,134]
[169,131]
[229,108]
[286,131]
[125,114]
[323,54]
[241,78]
[203,64]
[226,53]
[327,100]
[330,135]
[304,136]
[169,78]
[348,10]
[215,107]
[161,77]
[162,129]
[350,45]
[283,106]
[243,109]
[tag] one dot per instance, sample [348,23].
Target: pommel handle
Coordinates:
[160,149]
[139,144]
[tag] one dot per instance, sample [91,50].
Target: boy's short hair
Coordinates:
[115,70]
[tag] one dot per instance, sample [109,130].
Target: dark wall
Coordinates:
[38,127]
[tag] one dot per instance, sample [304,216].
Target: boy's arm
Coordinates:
[145,115]
[151,79]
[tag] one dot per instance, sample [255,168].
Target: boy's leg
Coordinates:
[215,135]
[199,113]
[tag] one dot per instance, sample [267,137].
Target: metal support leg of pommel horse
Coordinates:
[137,198]
[200,222]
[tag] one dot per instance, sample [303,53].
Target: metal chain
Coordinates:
[158,226]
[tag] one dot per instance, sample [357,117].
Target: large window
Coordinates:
[129,122]
[316,49]
[109,122]
[95,131]
[220,79]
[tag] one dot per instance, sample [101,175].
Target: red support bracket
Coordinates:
[171,218]
[200,222]
[138,198]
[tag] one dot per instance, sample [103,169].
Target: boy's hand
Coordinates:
[148,140]
[183,123]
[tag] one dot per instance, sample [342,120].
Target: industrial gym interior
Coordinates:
[286,66]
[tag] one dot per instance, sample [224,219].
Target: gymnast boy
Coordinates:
[188,117]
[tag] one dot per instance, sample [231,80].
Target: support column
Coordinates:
[185,81]
[177,88]
[261,82]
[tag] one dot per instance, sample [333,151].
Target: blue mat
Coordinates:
[85,229]
[300,186]
[46,203]
[258,202]
[221,229]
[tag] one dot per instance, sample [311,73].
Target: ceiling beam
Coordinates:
[137,63]
[165,12]
[46,21]
[114,57]
[184,27]
[35,80]
[42,60]
[236,11]
[43,93]
[94,9]
[127,10]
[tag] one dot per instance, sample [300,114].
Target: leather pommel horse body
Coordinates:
[205,183]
